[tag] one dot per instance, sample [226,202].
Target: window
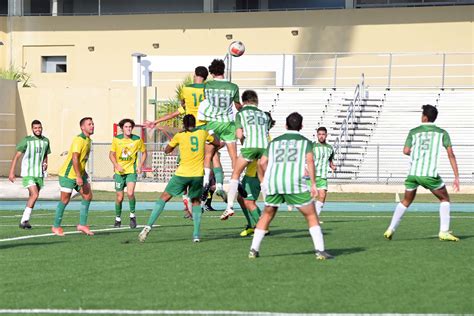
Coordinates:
[53,64]
[3,7]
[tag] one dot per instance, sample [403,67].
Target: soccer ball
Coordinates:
[236,49]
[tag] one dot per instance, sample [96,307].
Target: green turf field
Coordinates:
[414,273]
[332,197]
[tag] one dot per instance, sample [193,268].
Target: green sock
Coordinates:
[59,214]
[159,206]
[219,174]
[84,212]
[255,215]
[197,213]
[118,209]
[247,216]
[132,203]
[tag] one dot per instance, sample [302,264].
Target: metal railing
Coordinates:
[342,140]
[386,70]
[382,164]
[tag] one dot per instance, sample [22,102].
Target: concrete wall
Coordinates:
[8,135]
[98,82]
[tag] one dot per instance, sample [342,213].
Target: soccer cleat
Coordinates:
[205,192]
[196,239]
[25,225]
[247,231]
[388,234]
[58,231]
[253,254]
[227,213]
[222,194]
[447,236]
[187,215]
[85,229]
[323,255]
[241,190]
[144,234]
[267,232]
[208,208]
[133,222]
[117,224]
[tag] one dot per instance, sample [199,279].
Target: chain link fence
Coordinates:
[376,164]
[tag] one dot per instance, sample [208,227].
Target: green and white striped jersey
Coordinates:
[425,142]
[34,150]
[220,94]
[255,124]
[323,154]
[286,164]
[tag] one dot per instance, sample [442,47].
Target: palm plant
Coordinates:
[17,74]
[172,104]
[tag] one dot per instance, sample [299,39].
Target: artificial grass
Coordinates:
[413,273]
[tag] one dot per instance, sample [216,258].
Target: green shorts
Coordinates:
[321,183]
[252,187]
[430,183]
[250,154]
[296,199]
[225,131]
[31,181]
[121,180]
[178,185]
[67,185]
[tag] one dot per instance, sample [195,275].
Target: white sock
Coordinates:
[444,218]
[132,215]
[26,214]
[258,235]
[118,219]
[397,216]
[219,187]
[233,185]
[319,207]
[317,236]
[207,175]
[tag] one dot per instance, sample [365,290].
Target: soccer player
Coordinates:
[252,125]
[251,211]
[284,165]
[73,176]
[217,110]
[191,96]
[423,145]
[123,155]
[188,176]
[323,159]
[35,150]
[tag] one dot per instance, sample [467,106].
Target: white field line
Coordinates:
[279,216]
[172,312]
[66,233]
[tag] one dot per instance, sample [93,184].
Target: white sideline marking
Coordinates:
[66,233]
[171,312]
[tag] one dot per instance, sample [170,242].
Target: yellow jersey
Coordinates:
[192,94]
[81,144]
[251,169]
[191,151]
[126,152]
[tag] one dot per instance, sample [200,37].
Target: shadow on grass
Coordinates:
[17,245]
[335,252]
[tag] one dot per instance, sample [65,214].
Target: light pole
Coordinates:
[138,101]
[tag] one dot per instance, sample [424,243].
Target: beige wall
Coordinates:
[98,83]
[3,38]
[8,107]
